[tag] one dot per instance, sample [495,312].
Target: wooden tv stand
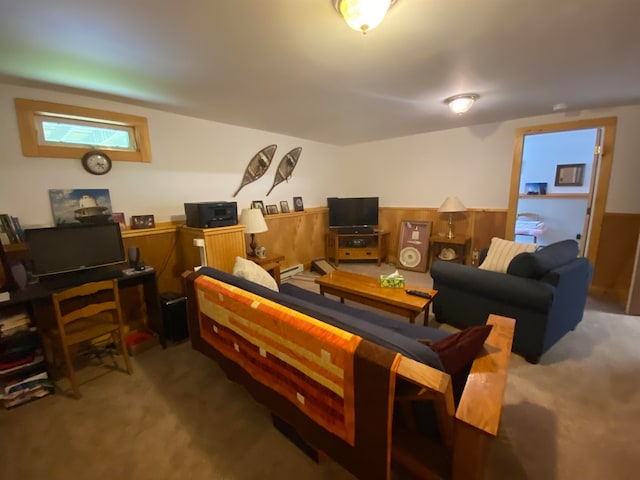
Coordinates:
[357,246]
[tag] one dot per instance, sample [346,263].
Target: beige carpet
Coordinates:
[576,415]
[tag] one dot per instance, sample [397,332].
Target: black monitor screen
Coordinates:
[74,247]
[351,212]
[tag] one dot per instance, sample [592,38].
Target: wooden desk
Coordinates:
[271,263]
[367,290]
[37,298]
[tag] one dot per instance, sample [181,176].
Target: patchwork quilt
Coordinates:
[335,388]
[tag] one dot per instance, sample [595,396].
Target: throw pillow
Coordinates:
[249,270]
[458,351]
[501,252]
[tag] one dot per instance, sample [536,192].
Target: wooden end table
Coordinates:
[460,245]
[367,290]
[271,263]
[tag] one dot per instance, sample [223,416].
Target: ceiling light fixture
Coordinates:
[363,15]
[461,103]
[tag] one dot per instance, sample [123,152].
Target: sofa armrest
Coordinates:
[502,287]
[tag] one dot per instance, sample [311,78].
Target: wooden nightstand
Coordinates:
[271,263]
[460,245]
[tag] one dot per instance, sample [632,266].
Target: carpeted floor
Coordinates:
[576,415]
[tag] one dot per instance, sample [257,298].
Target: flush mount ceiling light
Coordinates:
[461,103]
[363,15]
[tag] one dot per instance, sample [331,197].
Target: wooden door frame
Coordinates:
[604,174]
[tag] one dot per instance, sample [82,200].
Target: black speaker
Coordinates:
[174,316]
[134,258]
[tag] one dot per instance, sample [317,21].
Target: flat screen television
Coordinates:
[353,212]
[73,248]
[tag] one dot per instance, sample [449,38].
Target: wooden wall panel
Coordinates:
[299,236]
[157,249]
[616,250]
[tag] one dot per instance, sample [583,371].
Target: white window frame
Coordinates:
[30,114]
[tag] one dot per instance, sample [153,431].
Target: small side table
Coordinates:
[271,263]
[460,245]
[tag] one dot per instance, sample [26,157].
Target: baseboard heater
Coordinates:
[291,271]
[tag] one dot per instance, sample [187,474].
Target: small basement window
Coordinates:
[65,131]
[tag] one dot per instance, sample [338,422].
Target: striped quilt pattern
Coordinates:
[307,361]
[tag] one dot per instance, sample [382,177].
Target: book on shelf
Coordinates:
[10,229]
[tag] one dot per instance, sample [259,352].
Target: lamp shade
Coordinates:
[452,204]
[253,220]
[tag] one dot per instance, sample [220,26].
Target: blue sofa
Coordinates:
[545,291]
[434,432]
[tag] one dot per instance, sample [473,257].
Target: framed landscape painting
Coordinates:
[80,206]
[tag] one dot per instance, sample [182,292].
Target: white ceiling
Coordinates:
[294,67]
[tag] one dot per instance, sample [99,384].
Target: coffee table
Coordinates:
[367,290]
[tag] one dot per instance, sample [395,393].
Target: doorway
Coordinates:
[593,195]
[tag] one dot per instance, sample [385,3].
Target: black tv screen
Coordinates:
[73,248]
[353,212]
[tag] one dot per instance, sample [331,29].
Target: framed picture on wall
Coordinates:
[284,206]
[258,204]
[413,245]
[570,175]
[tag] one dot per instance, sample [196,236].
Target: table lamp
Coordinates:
[451,205]
[254,223]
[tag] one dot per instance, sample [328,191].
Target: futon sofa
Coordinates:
[367,390]
[545,291]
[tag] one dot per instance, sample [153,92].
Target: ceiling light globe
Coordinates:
[461,103]
[363,15]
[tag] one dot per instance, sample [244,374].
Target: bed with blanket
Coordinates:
[371,392]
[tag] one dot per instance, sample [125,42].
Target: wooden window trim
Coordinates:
[26,110]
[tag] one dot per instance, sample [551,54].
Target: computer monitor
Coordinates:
[73,248]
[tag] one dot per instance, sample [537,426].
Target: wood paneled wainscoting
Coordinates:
[478,224]
[616,253]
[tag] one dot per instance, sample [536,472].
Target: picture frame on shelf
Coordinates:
[298,205]
[284,206]
[570,175]
[272,209]
[142,221]
[118,217]
[258,204]
[535,188]
[80,205]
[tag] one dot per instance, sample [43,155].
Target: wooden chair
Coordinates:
[85,313]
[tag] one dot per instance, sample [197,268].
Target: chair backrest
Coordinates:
[87,300]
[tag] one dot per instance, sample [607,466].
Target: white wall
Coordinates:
[475,163]
[199,160]
[193,160]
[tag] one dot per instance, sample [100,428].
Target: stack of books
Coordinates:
[23,372]
[10,230]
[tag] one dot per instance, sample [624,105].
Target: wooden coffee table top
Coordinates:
[354,284]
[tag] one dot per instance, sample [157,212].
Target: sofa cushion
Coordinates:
[252,271]
[501,252]
[411,330]
[537,264]
[458,351]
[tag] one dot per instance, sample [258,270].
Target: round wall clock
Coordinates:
[96,162]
